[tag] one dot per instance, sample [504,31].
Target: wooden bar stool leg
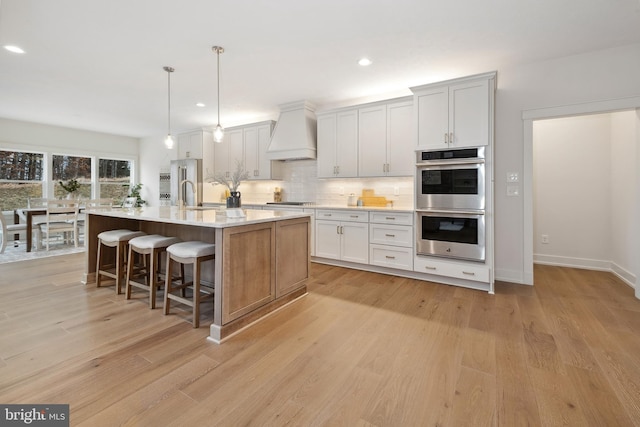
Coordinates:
[196,293]
[167,283]
[152,273]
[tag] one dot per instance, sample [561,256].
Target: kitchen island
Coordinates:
[261,261]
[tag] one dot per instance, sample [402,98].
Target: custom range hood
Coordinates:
[294,136]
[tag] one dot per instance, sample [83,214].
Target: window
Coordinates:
[66,168]
[114,178]
[21,177]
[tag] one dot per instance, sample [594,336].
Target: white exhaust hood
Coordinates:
[294,136]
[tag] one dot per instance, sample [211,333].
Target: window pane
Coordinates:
[67,168]
[114,177]
[21,177]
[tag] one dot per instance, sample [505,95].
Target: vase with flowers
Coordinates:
[71,187]
[232,183]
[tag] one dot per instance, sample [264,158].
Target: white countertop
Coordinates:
[202,217]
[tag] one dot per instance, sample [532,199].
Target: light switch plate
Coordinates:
[513,177]
[513,190]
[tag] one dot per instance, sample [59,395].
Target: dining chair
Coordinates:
[8,230]
[62,217]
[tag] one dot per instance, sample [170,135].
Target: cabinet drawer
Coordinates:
[400,218]
[395,235]
[354,216]
[391,257]
[461,270]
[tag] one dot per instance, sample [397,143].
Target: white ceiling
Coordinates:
[97,64]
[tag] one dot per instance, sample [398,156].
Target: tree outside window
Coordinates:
[21,178]
[67,168]
[114,178]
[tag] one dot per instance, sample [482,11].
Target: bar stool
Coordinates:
[194,253]
[117,239]
[151,247]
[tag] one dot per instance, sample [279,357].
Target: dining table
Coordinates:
[28,214]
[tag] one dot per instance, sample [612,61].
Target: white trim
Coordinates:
[606,106]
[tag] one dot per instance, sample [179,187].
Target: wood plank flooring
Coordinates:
[362,349]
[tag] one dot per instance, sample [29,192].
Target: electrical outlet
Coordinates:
[396,191]
[545,238]
[341,191]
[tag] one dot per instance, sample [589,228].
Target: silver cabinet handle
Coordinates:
[469,273]
[341,229]
[337,229]
[327,214]
[390,218]
[446,138]
[430,268]
[354,216]
[451,138]
[390,257]
[390,235]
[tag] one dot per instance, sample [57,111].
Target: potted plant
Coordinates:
[71,187]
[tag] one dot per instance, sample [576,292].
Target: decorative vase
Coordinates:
[233,201]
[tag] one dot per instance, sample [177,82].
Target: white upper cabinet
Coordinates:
[246,144]
[228,152]
[338,144]
[256,142]
[456,113]
[191,144]
[385,140]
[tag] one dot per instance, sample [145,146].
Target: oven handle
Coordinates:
[474,161]
[451,211]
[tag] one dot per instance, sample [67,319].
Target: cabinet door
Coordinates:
[347,144]
[190,145]
[327,239]
[251,152]
[236,150]
[326,146]
[354,245]
[432,115]
[372,141]
[264,164]
[469,114]
[401,158]
[221,154]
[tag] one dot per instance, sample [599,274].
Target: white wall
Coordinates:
[584,171]
[594,76]
[572,183]
[154,158]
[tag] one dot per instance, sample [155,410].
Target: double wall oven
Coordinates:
[450,203]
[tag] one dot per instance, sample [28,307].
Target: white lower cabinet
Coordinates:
[467,271]
[343,236]
[391,240]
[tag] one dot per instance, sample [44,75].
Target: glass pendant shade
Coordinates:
[168,141]
[218,133]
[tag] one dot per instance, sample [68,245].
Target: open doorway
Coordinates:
[584,180]
[632,245]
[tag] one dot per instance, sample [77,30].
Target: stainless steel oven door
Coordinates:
[448,185]
[456,234]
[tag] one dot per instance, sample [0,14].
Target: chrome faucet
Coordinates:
[181,202]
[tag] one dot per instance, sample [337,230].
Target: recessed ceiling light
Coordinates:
[365,62]
[14,49]
[200,104]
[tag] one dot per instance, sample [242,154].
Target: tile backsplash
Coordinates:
[301,183]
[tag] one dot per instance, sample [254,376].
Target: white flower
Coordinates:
[233,182]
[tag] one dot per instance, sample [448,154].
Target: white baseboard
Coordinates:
[589,264]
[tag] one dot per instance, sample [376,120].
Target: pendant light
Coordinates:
[168,141]
[218,132]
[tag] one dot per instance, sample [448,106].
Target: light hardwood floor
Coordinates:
[362,349]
